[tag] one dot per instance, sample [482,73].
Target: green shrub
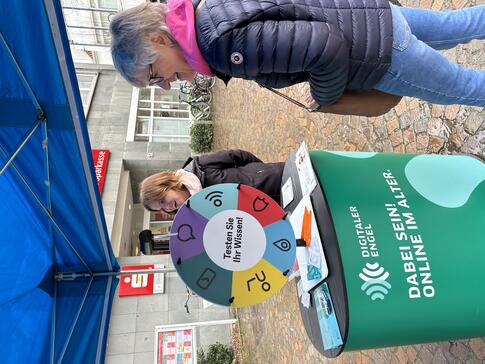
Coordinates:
[201,135]
[217,354]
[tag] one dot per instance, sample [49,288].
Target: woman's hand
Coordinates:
[309,100]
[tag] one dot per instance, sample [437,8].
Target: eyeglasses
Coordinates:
[153,80]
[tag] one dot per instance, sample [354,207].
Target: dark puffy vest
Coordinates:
[333,44]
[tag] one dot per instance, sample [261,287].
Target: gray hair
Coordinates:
[131,48]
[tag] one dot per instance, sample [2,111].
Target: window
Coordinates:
[87,84]
[157,115]
[87,24]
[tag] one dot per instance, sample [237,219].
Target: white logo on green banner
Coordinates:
[375,281]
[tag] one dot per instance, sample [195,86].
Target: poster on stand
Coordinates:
[175,345]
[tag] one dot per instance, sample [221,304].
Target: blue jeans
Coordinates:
[419,70]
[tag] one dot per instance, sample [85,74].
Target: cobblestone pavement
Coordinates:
[248,117]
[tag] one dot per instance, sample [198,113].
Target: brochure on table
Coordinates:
[287,192]
[311,258]
[327,320]
[306,175]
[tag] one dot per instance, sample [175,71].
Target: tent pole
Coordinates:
[45,147]
[53,326]
[17,150]
[40,111]
[71,330]
[63,276]
[140,271]
[104,319]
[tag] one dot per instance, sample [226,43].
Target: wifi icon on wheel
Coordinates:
[215,197]
[375,281]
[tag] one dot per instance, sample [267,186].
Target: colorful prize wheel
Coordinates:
[233,245]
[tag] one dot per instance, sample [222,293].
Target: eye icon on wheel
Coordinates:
[282,244]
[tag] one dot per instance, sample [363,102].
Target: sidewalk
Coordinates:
[249,117]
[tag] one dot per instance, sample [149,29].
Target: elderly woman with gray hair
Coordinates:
[341,47]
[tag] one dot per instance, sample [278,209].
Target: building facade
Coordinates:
[132,157]
[145,131]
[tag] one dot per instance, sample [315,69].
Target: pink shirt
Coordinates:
[180,20]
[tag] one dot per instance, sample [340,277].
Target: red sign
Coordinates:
[100,158]
[141,284]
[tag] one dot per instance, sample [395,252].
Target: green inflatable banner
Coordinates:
[411,233]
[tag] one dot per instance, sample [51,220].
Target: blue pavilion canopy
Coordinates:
[51,218]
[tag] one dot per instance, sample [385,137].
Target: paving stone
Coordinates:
[474,361]
[399,149]
[451,111]
[348,358]
[478,347]
[394,360]
[421,125]
[381,132]
[460,351]
[439,358]
[437,4]
[473,143]
[401,107]
[435,144]
[387,146]
[435,127]
[457,137]
[422,141]
[406,119]
[409,136]
[401,355]
[473,122]
[411,353]
[396,138]
[411,148]
[445,347]
[437,110]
